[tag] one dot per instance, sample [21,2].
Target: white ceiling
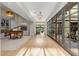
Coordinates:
[30,10]
[35,8]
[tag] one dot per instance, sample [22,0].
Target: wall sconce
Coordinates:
[9,13]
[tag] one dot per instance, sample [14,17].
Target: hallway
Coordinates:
[42,46]
[40,41]
[39,28]
[39,45]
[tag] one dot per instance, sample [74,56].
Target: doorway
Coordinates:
[39,28]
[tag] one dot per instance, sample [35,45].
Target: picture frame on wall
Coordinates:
[24,28]
[7,23]
[4,22]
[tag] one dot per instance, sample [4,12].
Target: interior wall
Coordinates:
[28,30]
[0,20]
[19,21]
[32,29]
[15,21]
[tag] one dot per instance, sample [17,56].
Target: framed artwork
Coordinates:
[4,22]
[23,27]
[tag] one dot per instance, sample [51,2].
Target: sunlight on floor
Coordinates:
[40,39]
[41,52]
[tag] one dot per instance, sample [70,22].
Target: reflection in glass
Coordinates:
[74,29]
[70,31]
[67,30]
[59,29]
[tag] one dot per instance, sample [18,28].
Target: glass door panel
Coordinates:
[74,29]
[59,29]
[67,30]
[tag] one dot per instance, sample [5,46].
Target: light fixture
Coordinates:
[40,15]
[9,13]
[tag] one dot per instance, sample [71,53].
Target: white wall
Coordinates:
[15,21]
[19,21]
[32,29]
[0,14]
[27,32]
[0,20]
[17,8]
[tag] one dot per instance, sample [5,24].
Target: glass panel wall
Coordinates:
[59,28]
[65,29]
[49,28]
[67,40]
[74,29]
[54,28]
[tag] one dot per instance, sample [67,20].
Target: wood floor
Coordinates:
[38,46]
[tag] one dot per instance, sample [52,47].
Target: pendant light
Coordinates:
[9,13]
